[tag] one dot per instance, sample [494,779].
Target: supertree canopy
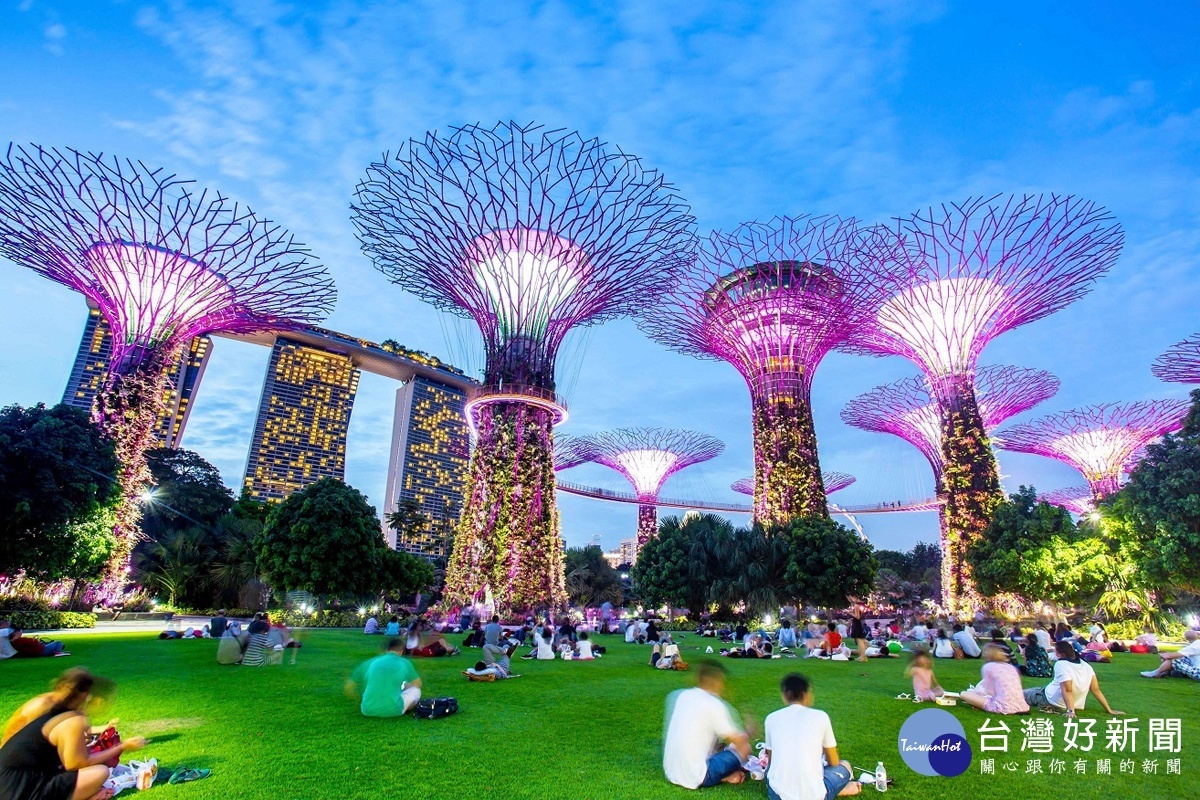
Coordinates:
[1099,441]
[1076,499]
[530,233]
[970,272]
[647,457]
[907,409]
[772,299]
[1181,363]
[833,482]
[163,262]
[570,451]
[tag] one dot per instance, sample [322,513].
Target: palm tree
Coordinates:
[174,566]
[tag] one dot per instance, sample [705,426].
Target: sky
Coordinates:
[873,110]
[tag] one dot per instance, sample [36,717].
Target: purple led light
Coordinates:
[1076,499]
[1181,363]
[833,482]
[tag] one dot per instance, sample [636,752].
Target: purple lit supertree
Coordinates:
[970,272]
[908,410]
[833,482]
[1076,499]
[530,233]
[570,451]
[1181,363]
[164,263]
[772,299]
[647,457]
[1099,441]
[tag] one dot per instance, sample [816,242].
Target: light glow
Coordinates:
[646,469]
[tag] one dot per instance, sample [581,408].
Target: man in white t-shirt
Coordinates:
[966,642]
[1068,689]
[919,633]
[698,722]
[1184,662]
[797,736]
[1043,637]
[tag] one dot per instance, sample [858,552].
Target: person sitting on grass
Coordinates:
[787,635]
[420,642]
[389,683]
[6,648]
[925,684]
[393,626]
[998,640]
[698,724]
[218,624]
[1068,690]
[943,645]
[372,626]
[1037,660]
[31,647]
[832,643]
[797,736]
[966,642]
[999,690]
[44,753]
[1184,663]
[259,651]
[583,648]
[229,648]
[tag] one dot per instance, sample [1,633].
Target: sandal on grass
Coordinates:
[186,775]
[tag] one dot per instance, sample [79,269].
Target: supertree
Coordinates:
[970,272]
[164,262]
[530,233]
[908,410]
[1181,363]
[772,299]
[833,482]
[1099,441]
[1076,499]
[647,457]
[570,451]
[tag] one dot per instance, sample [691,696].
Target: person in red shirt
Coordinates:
[833,640]
[28,647]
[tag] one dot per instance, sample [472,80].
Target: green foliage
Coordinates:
[174,566]
[188,492]
[591,580]
[319,619]
[56,485]
[50,620]
[827,563]
[325,539]
[682,564]
[408,521]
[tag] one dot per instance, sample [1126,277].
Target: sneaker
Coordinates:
[1150,673]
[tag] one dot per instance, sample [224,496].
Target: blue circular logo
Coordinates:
[932,742]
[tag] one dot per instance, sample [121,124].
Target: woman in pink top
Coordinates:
[999,692]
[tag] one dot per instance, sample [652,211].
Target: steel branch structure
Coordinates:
[647,457]
[833,482]
[1181,363]
[772,299]
[530,233]
[570,451]
[907,409]
[1099,441]
[1076,499]
[164,262]
[968,273]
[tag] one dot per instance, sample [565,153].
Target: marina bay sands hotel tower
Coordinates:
[304,414]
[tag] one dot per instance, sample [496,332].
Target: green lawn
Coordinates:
[565,730]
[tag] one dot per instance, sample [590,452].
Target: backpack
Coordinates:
[436,708]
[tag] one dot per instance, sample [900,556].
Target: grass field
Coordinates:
[563,730]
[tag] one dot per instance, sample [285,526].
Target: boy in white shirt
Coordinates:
[1184,662]
[698,722]
[797,736]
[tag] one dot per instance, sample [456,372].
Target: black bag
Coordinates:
[436,708]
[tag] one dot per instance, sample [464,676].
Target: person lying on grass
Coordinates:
[389,683]
[797,736]
[1068,690]
[699,724]
[32,647]
[44,753]
[999,690]
[1184,662]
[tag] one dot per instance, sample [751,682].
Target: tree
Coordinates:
[56,479]
[408,521]
[899,563]
[681,565]
[752,569]
[827,562]
[591,580]
[177,565]
[402,574]
[325,539]
[1160,507]
[187,492]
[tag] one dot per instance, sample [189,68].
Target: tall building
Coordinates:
[427,463]
[91,368]
[303,416]
[629,551]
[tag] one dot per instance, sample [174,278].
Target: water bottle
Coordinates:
[880,777]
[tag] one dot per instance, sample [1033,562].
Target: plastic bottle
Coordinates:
[880,777]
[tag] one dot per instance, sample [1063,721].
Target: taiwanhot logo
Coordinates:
[932,742]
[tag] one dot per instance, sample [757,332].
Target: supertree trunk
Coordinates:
[126,409]
[508,538]
[647,523]
[971,491]
[787,474]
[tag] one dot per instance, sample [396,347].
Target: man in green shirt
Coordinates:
[389,683]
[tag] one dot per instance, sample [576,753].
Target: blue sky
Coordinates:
[752,110]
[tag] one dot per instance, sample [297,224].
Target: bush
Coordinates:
[320,619]
[48,620]
[1168,627]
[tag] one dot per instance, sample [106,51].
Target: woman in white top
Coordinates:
[545,644]
[1073,680]
[944,646]
[584,647]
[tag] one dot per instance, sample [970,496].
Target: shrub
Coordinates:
[319,619]
[49,620]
